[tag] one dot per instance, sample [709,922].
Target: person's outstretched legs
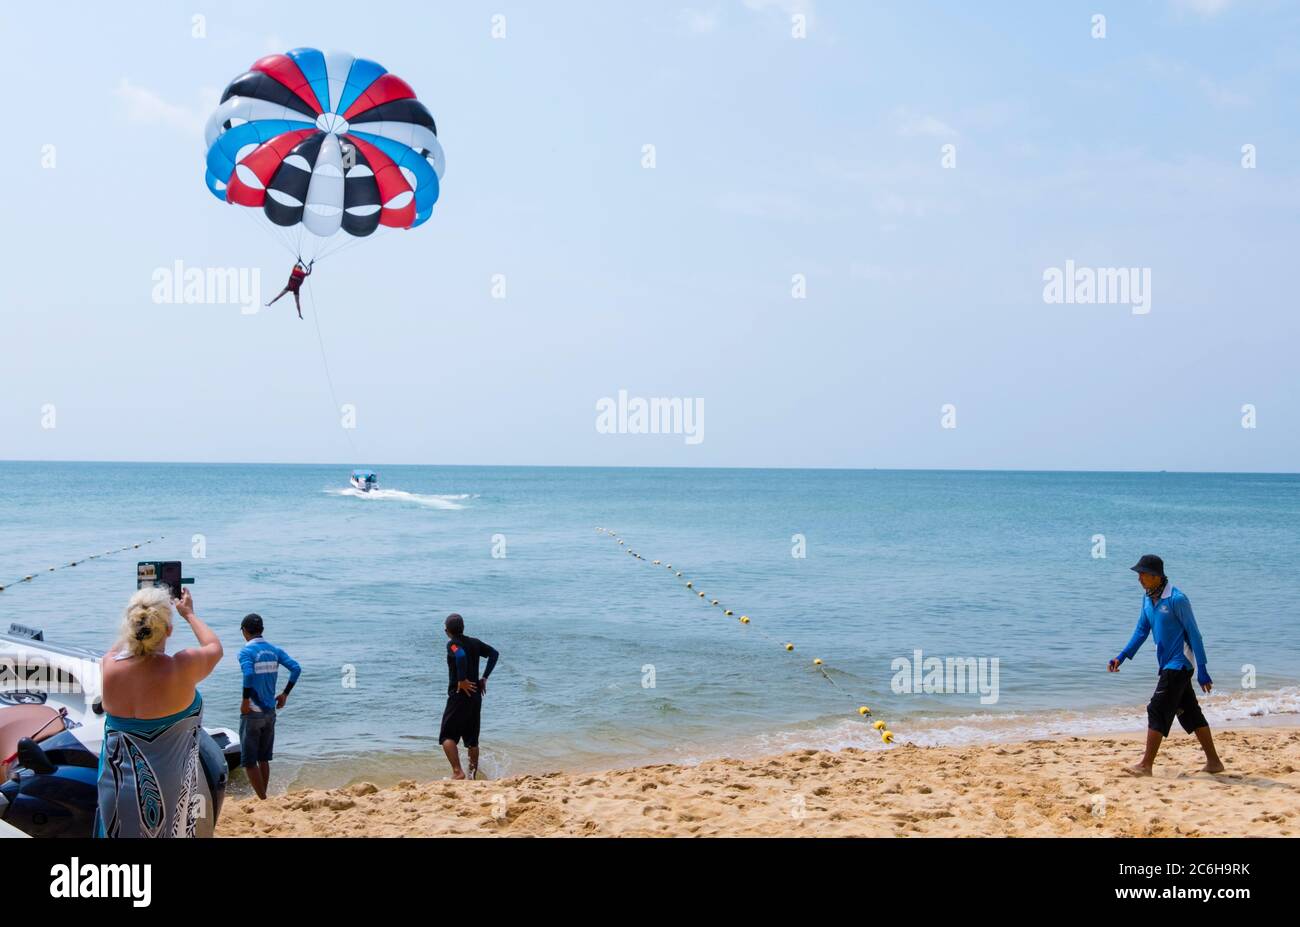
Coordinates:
[282,292]
[297,303]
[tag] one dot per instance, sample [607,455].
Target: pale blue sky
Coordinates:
[775,156]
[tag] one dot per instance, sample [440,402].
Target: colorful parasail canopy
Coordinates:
[326,141]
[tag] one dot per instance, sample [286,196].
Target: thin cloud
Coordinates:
[785,6]
[699,22]
[994,114]
[1222,96]
[1177,72]
[788,7]
[911,125]
[875,273]
[783,206]
[147,107]
[1202,7]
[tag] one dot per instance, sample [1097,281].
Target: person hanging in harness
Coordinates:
[299,273]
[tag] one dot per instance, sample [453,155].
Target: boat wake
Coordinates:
[445,502]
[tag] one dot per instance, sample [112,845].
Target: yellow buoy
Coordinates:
[701,595]
[744,619]
[789,646]
[887,736]
[679,572]
[817,661]
[689,584]
[864,710]
[714,602]
[727,612]
[878,725]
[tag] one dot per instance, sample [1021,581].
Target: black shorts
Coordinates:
[460,719]
[1175,696]
[256,737]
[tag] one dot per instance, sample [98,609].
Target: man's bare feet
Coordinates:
[1137,769]
[1213,767]
[458,774]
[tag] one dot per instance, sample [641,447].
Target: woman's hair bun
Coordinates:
[147,621]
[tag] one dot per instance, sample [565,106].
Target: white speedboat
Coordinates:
[364,480]
[51,728]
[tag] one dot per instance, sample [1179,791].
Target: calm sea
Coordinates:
[609,660]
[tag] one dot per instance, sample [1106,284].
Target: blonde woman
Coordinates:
[150,781]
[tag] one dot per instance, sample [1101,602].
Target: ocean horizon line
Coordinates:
[816,469]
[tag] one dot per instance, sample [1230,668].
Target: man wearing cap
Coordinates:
[1167,615]
[260,661]
[465,691]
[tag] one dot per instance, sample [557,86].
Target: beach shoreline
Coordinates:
[1065,786]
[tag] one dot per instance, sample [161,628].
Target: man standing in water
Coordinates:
[465,691]
[1167,613]
[260,662]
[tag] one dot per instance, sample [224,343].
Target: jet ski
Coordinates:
[51,728]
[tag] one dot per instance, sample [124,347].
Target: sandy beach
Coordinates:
[1073,786]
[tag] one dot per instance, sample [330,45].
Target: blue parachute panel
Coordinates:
[224,151]
[216,185]
[363,73]
[426,181]
[312,64]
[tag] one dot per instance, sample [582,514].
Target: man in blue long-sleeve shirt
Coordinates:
[260,662]
[1167,615]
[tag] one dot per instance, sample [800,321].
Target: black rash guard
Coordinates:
[463,654]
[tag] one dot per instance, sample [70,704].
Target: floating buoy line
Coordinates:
[71,563]
[864,711]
